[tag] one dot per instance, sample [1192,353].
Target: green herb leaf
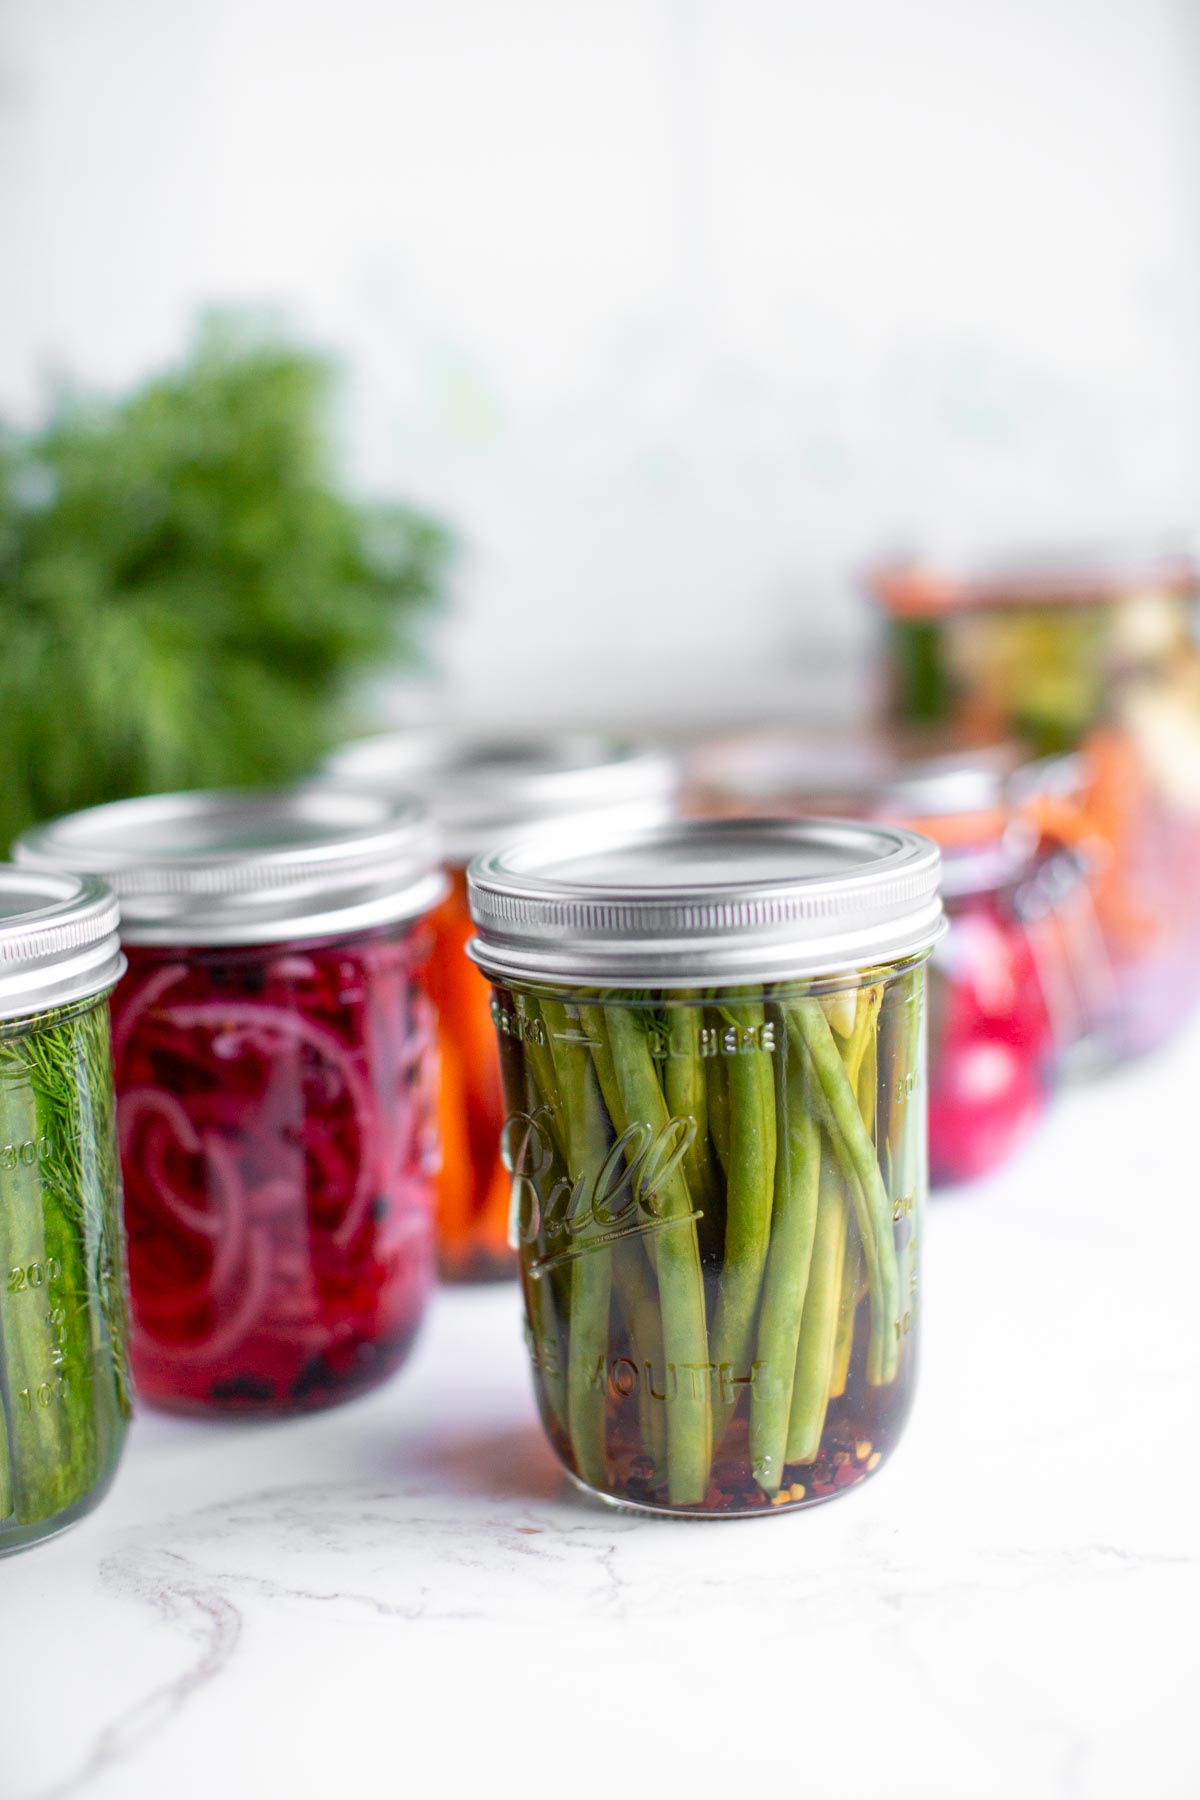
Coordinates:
[186,595]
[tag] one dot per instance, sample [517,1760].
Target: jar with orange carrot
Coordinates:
[484,791]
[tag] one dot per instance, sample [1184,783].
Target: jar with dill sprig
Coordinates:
[64,1385]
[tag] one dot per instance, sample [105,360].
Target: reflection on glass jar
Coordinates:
[64,1386]
[717,1150]
[276,1070]
[481,791]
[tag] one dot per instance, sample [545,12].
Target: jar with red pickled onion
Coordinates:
[483,791]
[276,1072]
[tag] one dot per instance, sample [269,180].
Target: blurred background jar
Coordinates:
[1125,809]
[1013,986]
[483,791]
[276,1074]
[64,1384]
[1037,649]
[1097,659]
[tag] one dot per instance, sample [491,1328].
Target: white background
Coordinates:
[679,309]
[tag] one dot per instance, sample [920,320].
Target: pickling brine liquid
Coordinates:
[718,1203]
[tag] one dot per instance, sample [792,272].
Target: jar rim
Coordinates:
[721,902]
[488,788]
[848,774]
[58,940]
[929,587]
[250,865]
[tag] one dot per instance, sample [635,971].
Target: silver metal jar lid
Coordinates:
[484,791]
[795,774]
[58,940]
[850,775]
[706,901]
[250,865]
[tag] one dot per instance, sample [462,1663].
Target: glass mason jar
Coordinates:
[483,791]
[712,1036]
[64,1385]
[1038,649]
[276,1074]
[1006,991]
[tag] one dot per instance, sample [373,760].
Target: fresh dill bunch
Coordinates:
[186,593]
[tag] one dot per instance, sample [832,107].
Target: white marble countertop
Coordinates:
[403,1592]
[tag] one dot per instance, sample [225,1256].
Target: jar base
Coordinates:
[647,1510]
[13,1540]
[255,1398]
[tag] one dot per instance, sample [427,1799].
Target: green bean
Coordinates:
[749,1195]
[818,1331]
[686,1091]
[45,1478]
[905,1137]
[7,1495]
[595,1030]
[548,1341]
[634,1281]
[717,1094]
[532,1089]
[785,1284]
[852,1291]
[544,1073]
[867,1085]
[852,1267]
[633,1284]
[592,1023]
[585,1128]
[680,1280]
[872,1206]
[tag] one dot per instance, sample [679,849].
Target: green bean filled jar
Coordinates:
[64,1392]
[712,1037]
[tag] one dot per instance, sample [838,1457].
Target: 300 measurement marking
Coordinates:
[33,1150]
